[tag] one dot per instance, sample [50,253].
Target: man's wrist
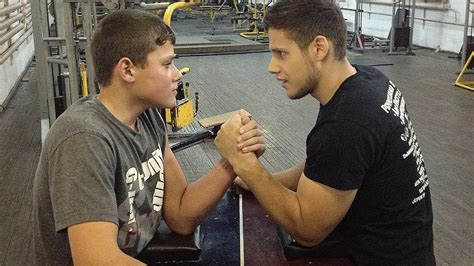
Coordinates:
[245,165]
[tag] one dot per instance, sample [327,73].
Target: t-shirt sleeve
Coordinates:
[339,154]
[82,181]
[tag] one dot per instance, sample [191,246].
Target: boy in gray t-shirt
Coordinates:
[106,174]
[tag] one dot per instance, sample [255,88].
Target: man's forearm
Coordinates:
[289,178]
[281,203]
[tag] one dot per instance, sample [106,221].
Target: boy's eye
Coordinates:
[279,54]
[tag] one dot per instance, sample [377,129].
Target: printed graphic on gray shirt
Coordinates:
[139,227]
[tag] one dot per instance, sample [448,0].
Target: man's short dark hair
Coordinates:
[303,20]
[126,33]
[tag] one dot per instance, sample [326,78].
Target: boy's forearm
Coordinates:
[202,195]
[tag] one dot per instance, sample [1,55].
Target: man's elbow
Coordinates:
[306,241]
[311,238]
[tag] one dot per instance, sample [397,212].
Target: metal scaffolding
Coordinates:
[57,51]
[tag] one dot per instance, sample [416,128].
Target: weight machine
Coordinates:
[401,30]
[255,15]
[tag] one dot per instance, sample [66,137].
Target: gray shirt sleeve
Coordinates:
[82,181]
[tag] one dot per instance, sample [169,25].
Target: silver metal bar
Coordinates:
[67,89]
[10,8]
[54,40]
[57,61]
[417,18]
[71,54]
[356,25]
[12,32]
[87,25]
[153,6]
[40,27]
[392,29]
[8,22]
[10,50]
[466,27]
[26,10]
[93,1]
[412,29]
[48,73]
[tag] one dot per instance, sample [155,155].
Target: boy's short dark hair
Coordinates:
[303,20]
[126,33]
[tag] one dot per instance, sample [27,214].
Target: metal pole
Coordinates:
[359,12]
[392,30]
[39,56]
[58,7]
[466,26]
[356,25]
[87,23]
[73,89]
[40,27]
[412,29]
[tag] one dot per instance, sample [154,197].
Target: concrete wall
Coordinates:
[11,70]
[427,34]
[15,65]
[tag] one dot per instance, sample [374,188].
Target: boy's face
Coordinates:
[156,82]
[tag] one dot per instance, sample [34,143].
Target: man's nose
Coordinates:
[272,68]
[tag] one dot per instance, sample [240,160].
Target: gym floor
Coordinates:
[441,114]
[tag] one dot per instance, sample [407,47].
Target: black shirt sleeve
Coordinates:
[339,154]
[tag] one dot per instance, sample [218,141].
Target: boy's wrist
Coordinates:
[227,167]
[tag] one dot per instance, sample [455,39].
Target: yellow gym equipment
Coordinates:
[465,84]
[183,113]
[178,5]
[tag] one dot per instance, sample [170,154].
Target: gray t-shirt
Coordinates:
[95,168]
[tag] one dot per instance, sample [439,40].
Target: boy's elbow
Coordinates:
[185,231]
[183,228]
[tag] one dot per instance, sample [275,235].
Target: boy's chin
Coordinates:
[173,105]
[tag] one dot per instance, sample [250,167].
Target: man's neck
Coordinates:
[332,75]
[122,107]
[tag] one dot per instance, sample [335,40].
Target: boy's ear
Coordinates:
[319,47]
[125,69]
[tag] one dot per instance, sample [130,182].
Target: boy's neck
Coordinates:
[121,105]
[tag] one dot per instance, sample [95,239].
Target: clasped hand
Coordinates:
[240,137]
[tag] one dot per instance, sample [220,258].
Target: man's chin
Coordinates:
[296,96]
[291,95]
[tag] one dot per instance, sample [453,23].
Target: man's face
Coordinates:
[291,66]
[156,82]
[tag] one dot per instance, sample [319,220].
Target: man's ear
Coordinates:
[125,70]
[319,47]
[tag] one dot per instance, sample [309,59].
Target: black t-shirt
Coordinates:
[363,139]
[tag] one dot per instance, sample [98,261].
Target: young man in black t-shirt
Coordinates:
[364,181]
